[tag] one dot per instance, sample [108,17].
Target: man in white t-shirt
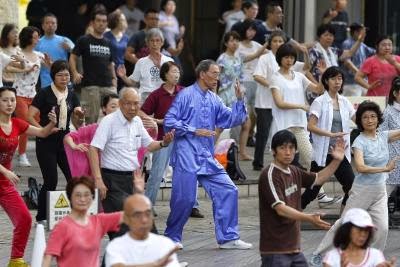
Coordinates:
[146,74]
[139,246]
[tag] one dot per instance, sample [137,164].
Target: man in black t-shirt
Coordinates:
[98,76]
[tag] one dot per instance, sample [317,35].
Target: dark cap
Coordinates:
[356,26]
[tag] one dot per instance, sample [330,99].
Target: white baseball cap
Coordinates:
[358,217]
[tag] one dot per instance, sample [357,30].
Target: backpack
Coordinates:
[226,153]
[31,196]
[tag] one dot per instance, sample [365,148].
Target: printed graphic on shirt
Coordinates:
[154,74]
[291,189]
[99,50]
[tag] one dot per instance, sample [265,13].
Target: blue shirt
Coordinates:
[362,53]
[117,47]
[53,47]
[195,109]
[376,154]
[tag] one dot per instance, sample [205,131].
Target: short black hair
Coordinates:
[332,72]
[395,88]
[226,38]
[283,137]
[271,7]
[275,34]
[49,14]
[246,24]
[75,181]
[342,236]
[164,3]
[165,68]
[380,39]
[367,105]
[8,27]
[57,66]
[26,34]
[151,10]
[8,88]
[284,51]
[248,4]
[325,28]
[98,9]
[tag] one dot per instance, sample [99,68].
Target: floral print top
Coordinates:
[231,69]
[25,82]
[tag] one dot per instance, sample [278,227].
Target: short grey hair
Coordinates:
[125,89]
[204,66]
[152,33]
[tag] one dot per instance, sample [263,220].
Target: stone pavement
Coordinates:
[200,248]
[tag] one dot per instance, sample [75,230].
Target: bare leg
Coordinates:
[244,134]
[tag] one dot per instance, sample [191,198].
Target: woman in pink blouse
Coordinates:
[76,143]
[380,69]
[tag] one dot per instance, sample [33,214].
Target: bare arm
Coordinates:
[95,168]
[130,55]
[394,135]
[46,260]
[361,167]
[359,78]
[278,99]
[121,72]
[76,76]
[258,53]
[35,129]
[261,80]
[291,213]
[111,66]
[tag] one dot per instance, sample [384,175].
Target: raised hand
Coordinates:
[166,259]
[391,263]
[338,150]
[238,91]
[121,71]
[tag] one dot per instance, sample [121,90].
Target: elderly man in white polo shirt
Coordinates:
[118,137]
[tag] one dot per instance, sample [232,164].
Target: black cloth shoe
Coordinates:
[257,168]
[196,213]
[251,142]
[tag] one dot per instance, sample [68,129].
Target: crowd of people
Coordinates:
[95,105]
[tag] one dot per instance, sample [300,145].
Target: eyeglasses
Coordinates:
[142,214]
[373,117]
[213,74]
[84,196]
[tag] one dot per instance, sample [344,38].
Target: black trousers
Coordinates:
[264,120]
[344,174]
[50,153]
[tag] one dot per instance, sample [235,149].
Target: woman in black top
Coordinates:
[50,150]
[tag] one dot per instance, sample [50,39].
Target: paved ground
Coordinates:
[200,248]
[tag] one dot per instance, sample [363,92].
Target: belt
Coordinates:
[116,172]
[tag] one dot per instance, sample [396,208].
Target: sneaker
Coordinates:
[236,244]
[315,260]
[196,213]
[326,201]
[179,245]
[23,161]
[183,264]
[17,262]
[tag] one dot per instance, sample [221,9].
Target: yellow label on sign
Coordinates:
[61,202]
